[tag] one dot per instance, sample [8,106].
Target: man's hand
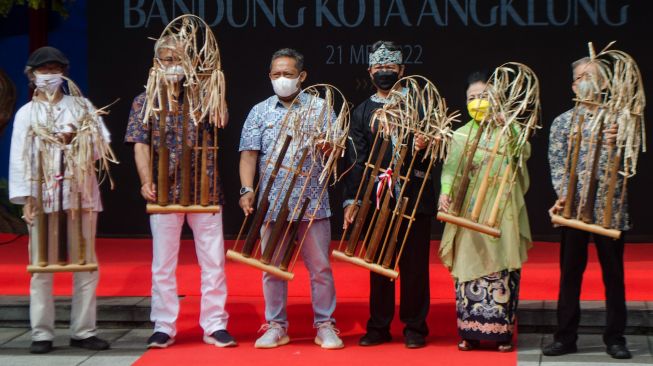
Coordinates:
[444,202]
[148,191]
[421,142]
[28,211]
[246,202]
[324,147]
[610,134]
[557,207]
[350,215]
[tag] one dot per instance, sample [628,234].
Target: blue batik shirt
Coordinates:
[561,128]
[262,132]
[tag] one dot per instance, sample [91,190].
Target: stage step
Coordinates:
[535,316]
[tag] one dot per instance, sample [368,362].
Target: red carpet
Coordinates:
[125,271]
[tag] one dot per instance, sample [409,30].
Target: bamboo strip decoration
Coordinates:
[313,135]
[594,184]
[61,238]
[380,230]
[187,180]
[493,156]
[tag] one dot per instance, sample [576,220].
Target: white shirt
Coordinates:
[65,113]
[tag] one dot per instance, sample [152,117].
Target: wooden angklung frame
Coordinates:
[62,240]
[601,175]
[204,111]
[318,117]
[493,154]
[375,240]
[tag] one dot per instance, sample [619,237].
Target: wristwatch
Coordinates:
[245,190]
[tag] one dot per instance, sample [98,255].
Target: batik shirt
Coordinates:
[140,132]
[262,132]
[558,149]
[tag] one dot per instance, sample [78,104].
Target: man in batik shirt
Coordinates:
[573,245]
[260,132]
[166,228]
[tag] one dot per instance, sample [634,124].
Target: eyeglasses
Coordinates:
[169,59]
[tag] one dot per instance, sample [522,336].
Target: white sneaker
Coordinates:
[327,336]
[275,335]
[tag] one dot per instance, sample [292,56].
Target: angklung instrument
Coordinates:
[63,175]
[493,155]
[594,184]
[199,100]
[312,136]
[382,223]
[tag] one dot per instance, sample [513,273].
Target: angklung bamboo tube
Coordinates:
[573,176]
[457,204]
[587,212]
[612,185]
[80,231]
[384,213]
[282,215]
[262,209]
[204,176]
[292,242]
[42,218]
[62,219]
[184,200]
[494,213]
[485,181]
[163,154]
[361,216]
[392,243]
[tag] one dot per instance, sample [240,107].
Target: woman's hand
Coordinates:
[444,202]
[148,191]
[350,215]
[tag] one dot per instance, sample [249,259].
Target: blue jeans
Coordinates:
[315,254]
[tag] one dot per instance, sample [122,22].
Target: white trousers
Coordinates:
[83,307]
[209,246]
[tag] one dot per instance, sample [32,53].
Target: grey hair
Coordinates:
[579,62]
[165,42]
[289,52]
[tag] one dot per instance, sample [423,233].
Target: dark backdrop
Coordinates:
[443,40]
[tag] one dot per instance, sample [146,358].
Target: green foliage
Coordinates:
[57,6]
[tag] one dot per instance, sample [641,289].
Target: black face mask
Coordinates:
[384,80]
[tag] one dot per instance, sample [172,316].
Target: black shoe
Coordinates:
[558,349]
[414,340]
[40,347]
[93,343]
[618,351]
[374,339]
[159,340]
[220,338]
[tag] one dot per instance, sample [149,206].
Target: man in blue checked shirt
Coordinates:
[260,133]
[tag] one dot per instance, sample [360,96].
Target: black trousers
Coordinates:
[414,276]
[573,260]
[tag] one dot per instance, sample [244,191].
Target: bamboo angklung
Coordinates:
[61,169]
[416,110]
[594,185]
[192,186]
[315,129]
[493,156]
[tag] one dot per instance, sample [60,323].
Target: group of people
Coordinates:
[485,270]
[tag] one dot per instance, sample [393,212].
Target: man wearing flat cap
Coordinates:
[41,142]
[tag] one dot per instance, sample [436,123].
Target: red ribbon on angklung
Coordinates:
[385,178]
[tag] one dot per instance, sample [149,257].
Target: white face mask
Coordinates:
[587,89]
[174,73]
[49,83]
[285,87]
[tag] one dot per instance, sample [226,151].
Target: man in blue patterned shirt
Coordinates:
[259,136]
[573,246]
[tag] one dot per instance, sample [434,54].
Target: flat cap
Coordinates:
[45,55]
